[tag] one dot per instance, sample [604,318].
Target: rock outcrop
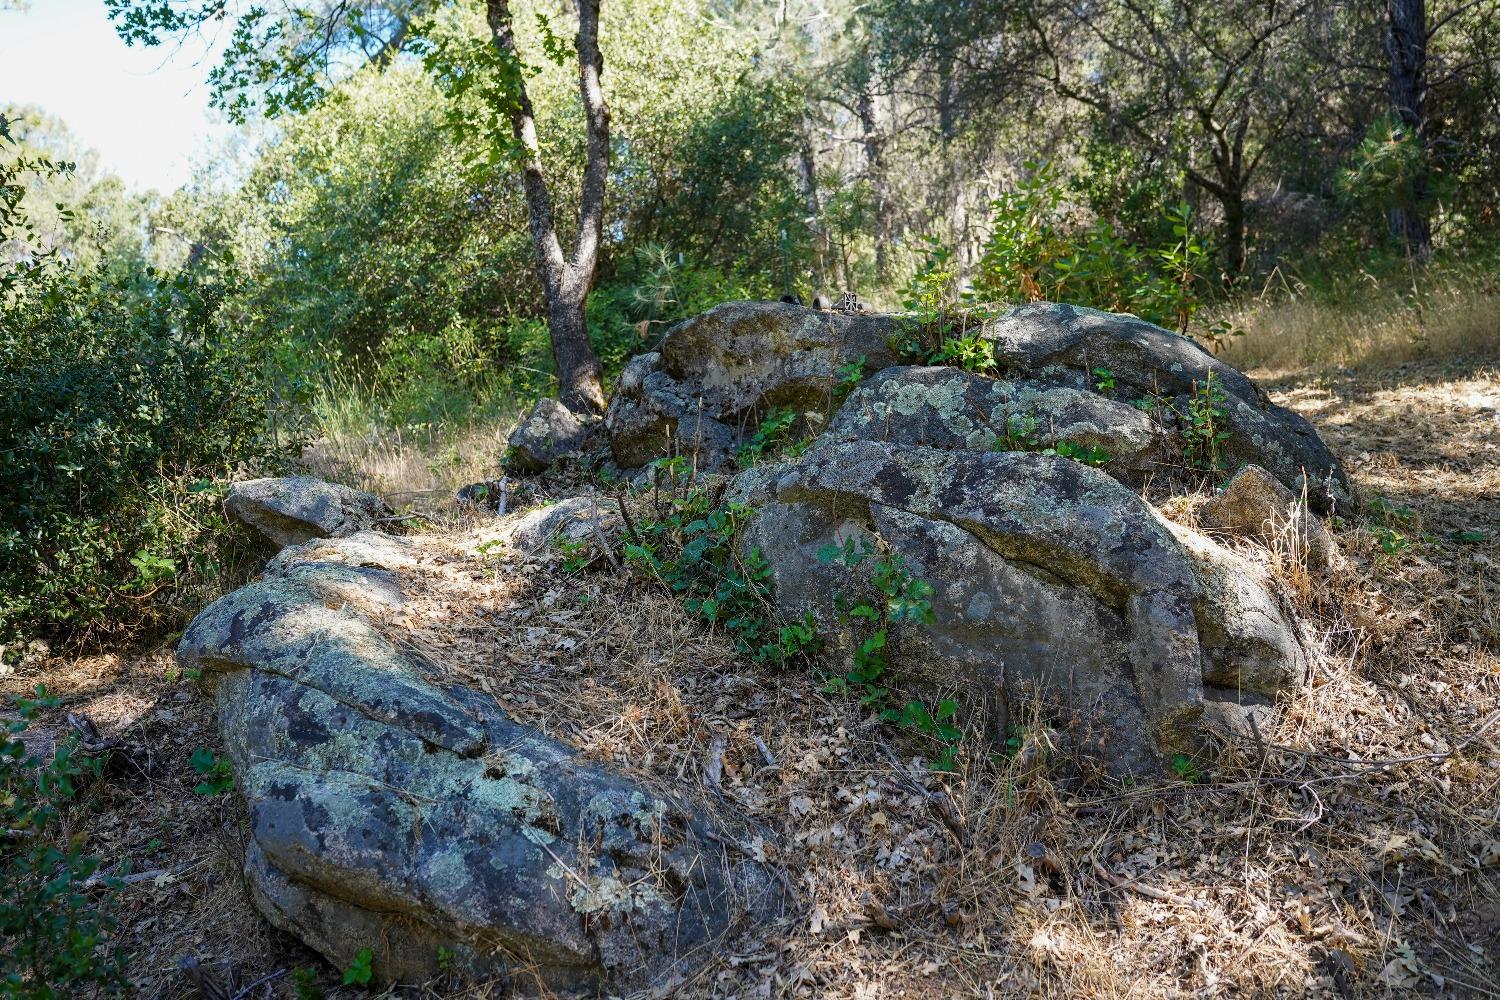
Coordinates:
[1165,371]
[716,375]
[392,811]
[1050,578]
[296,509]
[1065,374]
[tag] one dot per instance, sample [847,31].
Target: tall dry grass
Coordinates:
[1375,324]
[408,443]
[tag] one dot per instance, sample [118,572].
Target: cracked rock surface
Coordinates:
[391,812]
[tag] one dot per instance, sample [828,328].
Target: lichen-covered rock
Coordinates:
[1254,505]
[718,374]
[1067,343]
[296,509]
[953,409]
[1048,573]
[1050,577]
[549,431]
[391,812]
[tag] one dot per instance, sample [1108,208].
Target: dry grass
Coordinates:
[1381,325]
[1354,851]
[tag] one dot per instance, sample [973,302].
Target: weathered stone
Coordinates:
[718,374]
[1249,643]
[390,813]
[296,509]
[1064,342]
[953,409]
[549,431]
[651,415]
[1048,573]
[745,357]
[576,519]
[1254,505]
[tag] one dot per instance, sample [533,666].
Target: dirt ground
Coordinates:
[1354,851]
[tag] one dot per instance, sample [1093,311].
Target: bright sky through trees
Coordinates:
[145,110]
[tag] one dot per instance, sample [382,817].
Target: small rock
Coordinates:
[549,432]
[1255,505]
[297,509]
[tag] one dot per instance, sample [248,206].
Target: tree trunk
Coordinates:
[1233,202]
[565,281]
[1406,44]
[869,120]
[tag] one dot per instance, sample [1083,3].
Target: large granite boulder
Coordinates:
[394,812]
[1164,370]
[716,375]
[296,509]
[1050,578]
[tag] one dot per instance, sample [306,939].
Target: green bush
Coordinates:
[55,940]
[124,400]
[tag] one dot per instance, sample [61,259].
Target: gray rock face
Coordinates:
[297,509]
[718,374]
[1064,342]
[953,409]
[549,431]
[1049,576]
[392,813]
[1254,505]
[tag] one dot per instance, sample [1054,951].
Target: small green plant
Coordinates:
[1184,768]
[55,936]
[970,351]
[1392,542]
[1104,380]
[936,723]
[360,969]
[898,597]
[305,984]
[217,773]
[846,378]
[768,437]
[1468,536]
[1207,427]
[577,554]
[445,960]
[691,548]
[1088,454]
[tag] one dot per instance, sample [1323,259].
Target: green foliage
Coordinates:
[691,548]
[360,970]
[970,351]
[1185,768]
[769,437]
[1207,427]
[896,597]
[217,773]
[125,399]
[55,937]
[1022,432]
[1036,251]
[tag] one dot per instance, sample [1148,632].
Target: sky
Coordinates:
[145,110]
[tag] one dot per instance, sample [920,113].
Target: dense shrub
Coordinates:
[123,401]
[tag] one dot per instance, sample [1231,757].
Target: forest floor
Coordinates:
[1353,851]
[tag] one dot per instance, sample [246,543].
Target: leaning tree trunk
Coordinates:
[1406,44]
[565,280]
